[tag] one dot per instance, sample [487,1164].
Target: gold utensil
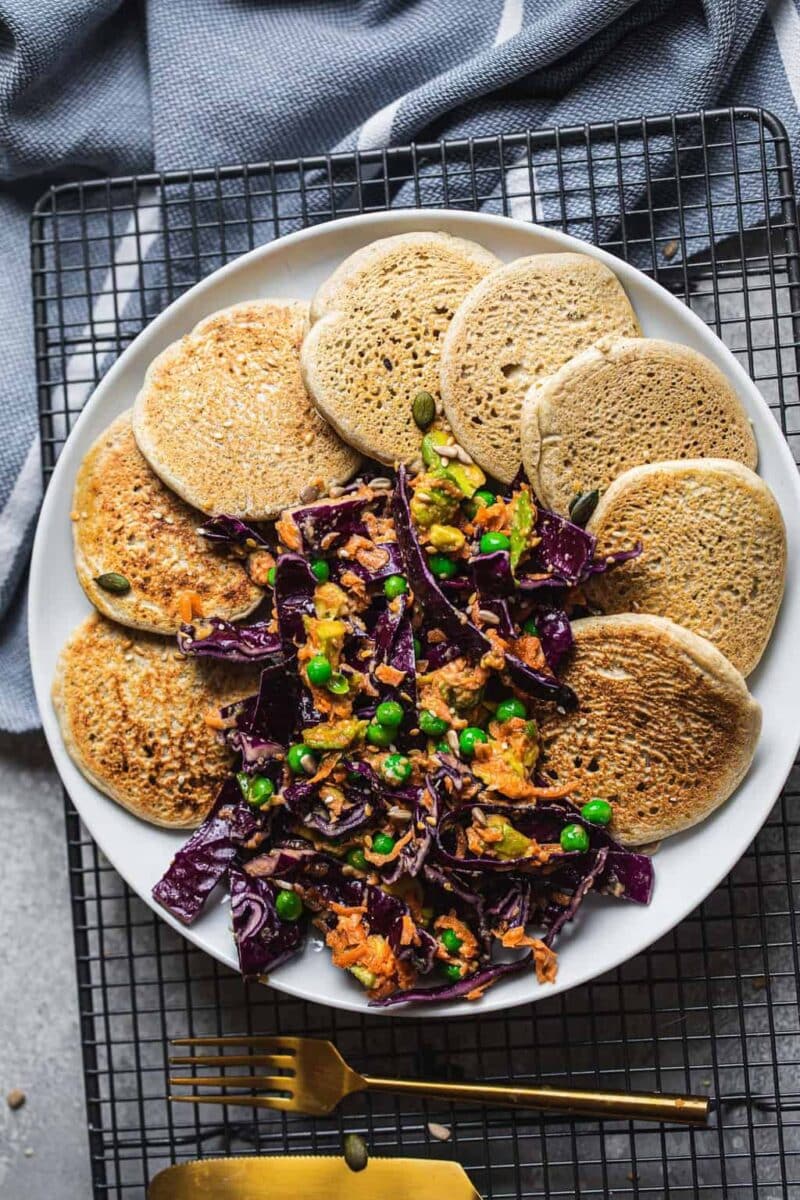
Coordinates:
[274,1177]
[314,1078]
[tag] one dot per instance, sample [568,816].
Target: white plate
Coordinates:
[687,868]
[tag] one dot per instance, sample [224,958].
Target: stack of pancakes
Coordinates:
[539,363]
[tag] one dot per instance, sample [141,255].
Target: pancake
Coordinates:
[132,712]
[376,333]
[127,522]
[224,420]
[623,403]
[518,326]
[714,551]
[665,731]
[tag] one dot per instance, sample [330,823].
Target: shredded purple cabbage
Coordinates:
[454,991]
[229,533]
[201,863]
[234,643]
[263,940]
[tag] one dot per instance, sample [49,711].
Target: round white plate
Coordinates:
[688,867]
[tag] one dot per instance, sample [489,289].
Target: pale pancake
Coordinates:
[665,731]
[127,522]
[224,419]
[714,551]
[132,712]
[377,328]
[623,403]
[519,325]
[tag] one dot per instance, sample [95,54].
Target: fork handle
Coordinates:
[644,1106]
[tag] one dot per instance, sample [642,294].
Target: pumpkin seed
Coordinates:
[582,506]
[112,581]
[423,409]
[355,1151]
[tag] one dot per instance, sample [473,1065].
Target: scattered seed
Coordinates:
[582,506]
[399,814]
[442,1133]
[463,457]
[355,1151]
[308,438]
[335,490]
[15,1098]
[479,816]
[670,250]
[28,1151]
[380,483]
[452,740]
[423,409]
[309,493]
[488,618]
[447,452]
[112,581]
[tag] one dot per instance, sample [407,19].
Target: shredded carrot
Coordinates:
[544,959]
[326,765]
[469,946]
[347,910]
[380,860]
[408,933]
[477,992]
[189,605]
[389,675]
[288,532]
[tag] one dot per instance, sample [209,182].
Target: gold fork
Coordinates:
[314,1078]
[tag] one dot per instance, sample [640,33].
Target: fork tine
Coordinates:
[282,1045]
[236,1060]
[282,1102]
[272,1083]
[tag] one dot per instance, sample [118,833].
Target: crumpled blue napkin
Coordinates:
[105,86]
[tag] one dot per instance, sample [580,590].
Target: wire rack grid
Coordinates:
[704,203]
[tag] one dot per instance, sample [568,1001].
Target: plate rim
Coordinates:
[407,219]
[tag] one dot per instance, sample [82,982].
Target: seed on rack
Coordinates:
[15,1098]
[442,1133]
[670,250]
[355,1151]
[488,618]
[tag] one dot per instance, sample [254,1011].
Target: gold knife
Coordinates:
[312,1177]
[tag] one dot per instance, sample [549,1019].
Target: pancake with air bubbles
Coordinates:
[377,327]
[713,557]
[666,728]
[224,419]
[133,714]
[516,327]
[623,403]
[126,522]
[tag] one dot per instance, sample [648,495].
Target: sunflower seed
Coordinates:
[399,814]
[479,816]
[442,1133]
[452,740]
[380,483]
[447,451]
[488,618]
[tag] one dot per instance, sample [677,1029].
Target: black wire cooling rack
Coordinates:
[704,203]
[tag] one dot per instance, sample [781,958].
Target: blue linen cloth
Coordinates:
[110,86]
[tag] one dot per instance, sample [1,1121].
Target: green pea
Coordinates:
[451,971]
[271,576]
[417,648]
[451,941]
[300,759]
[390,714]
[261,791]
[319,670]
[574,837]
[469,738]
[423,409]
[379,735]
[320,570]
[597,810]
[512,707]
[443,748]
[531,627]
[395,585]
[338,684]
[396,768]
[490,542]
[442,567]
[356,858]
[383,843]
[430,724]
[483,497]
[288,905]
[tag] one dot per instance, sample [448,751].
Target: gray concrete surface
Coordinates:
[43,1145]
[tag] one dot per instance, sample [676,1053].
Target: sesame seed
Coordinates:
[488,618]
